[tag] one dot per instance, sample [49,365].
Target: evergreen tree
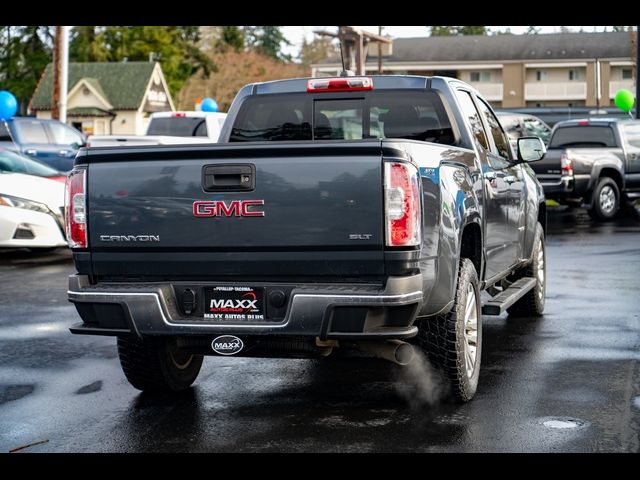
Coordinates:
[234,37]
[268,41]
[24,53]
[436,31]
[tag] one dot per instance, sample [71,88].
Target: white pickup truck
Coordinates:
[169,128]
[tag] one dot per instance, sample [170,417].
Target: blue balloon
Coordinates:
[209,105]
[8,105]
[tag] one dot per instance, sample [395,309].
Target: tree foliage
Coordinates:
[268,41]
[318,49]
[234,37]
[175,47]
[24,53]
[438,31]
[235,69]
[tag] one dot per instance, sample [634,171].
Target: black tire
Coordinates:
[155,364]
[444,341]
[605,200]
[532,304]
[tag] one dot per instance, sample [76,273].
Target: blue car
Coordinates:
[49,141]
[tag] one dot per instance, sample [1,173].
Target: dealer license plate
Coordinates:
[234,303]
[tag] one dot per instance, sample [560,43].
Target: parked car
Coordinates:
[49,141]
[302,232]
[519,125]
[31,212]
[11,162]
[594,163]
[169,128]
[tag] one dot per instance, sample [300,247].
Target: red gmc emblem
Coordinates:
[218,208]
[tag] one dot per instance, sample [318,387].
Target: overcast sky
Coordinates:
[295,34]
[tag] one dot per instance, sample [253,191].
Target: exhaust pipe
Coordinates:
[396,351]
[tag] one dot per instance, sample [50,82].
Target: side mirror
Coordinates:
[530,149]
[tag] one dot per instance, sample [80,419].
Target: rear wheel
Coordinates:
[156,364]
[606,200]
[453,342]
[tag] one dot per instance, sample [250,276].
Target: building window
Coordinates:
[574,75]
[541,76]
[627,74]
[481,77]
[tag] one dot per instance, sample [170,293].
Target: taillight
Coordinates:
[75,209]
[402,204]
[342,84]
[566,164]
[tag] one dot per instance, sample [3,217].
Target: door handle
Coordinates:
[31,151]
[633,156]
[64,152]
[490,175]
[510,179]
[235,178]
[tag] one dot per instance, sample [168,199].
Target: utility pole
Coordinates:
[57,73]
[60,74]
[598,81]
[64,74]
[637,65]
[380,52]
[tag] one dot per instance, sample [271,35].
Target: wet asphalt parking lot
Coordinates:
[566,382]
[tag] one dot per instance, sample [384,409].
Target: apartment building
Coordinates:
[516,71]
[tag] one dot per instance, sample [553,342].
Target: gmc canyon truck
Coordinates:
[337,213]
[592,163]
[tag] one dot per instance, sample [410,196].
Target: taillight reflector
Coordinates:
[402,205]
[342,84]
[75,209]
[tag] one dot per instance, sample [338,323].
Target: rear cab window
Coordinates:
[177,126]
[414,115]
[583,136]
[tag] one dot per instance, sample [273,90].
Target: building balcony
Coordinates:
[491,91]
[555,91]
[615,85]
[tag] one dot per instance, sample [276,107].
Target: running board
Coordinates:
[498,304]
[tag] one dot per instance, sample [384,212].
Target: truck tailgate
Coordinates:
[549,169]
[153,216]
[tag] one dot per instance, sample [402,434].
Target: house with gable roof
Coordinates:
[107,98]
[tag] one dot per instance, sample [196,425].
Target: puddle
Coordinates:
[564,423]
[92,387]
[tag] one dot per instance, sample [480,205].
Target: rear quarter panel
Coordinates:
[451,199]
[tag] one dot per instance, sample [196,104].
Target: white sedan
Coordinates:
[31,211]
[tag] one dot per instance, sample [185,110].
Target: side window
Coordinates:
[499,137]
[470,112]
[64,135]
[632,133]
[31,132]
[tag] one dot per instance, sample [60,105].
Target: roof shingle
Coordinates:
[476,48]
[123,84]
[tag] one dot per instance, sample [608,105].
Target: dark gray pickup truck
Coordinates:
[337,213]
[593,163]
